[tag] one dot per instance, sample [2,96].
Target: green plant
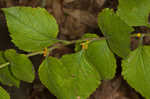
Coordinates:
[77,75]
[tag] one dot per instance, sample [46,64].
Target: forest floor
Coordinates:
[75,17]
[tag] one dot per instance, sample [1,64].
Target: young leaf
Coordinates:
[116,31]
[20,65]
[99,55]
[136,70]
[6,76]
[31,29]
[134,12]
[71,77]
[3,94]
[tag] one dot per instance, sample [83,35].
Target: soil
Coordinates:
[75,18]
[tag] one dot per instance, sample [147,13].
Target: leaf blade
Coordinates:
[4,94]
[116,32]
[31,29]
[6,76]
[20,65]
[134,12]
[136,70]
[100,56]
[69,81]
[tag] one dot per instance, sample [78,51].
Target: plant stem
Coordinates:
[144,34]
[141,40]
[65,43]
[4,65]
[34,53]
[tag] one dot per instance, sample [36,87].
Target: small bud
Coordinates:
[87,41]
[139,35]
[85,45]
[45,51]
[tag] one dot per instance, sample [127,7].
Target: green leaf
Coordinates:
[20,65]
[116,31]
[99,55]
[31,29]
[3,94]
[134,12]
[6,76]
[136,70]
[71,77]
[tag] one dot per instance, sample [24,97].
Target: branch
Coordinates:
[65,43]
